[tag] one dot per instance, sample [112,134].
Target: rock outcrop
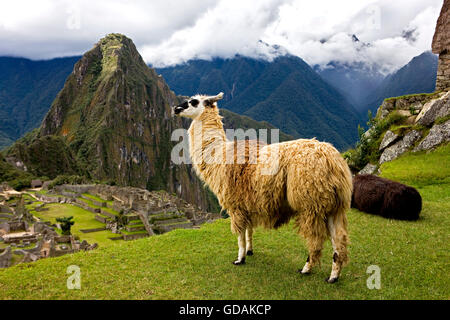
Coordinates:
[410,105]
[369,169]
[439,134]
[413,122]
[400,147]
[433,110]
[420,112]
[388,139]
[441,46]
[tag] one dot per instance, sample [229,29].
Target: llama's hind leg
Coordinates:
[315,232]
[242,252]
[249,241]
[339,239]
[315,251]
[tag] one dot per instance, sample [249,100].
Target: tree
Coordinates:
[66,223]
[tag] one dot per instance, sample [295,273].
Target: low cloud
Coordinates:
[169,32]
[379,26]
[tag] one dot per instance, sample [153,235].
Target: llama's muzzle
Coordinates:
[179,108]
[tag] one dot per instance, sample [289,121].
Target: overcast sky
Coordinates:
[169,32]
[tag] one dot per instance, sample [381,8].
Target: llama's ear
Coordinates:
[210,100]
[219,96]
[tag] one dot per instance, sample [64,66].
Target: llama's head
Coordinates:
[196,105]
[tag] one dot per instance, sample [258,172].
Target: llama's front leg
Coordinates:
[241,254]
[249,241]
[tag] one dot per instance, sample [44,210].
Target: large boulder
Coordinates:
[369,169]
[396,150]
[388,139]
[434,109]
[439,133]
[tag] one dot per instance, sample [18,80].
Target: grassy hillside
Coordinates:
[196,264]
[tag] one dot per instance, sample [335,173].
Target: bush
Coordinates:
[66,223]
[121,219]
[20,183]
[366,149]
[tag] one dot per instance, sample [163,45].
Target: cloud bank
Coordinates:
[170,32]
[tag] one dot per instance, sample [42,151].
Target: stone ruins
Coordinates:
[441,46]
[129,213]
[19,231]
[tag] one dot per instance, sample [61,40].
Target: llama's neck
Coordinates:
[207,143]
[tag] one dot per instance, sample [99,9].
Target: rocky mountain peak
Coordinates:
[114,116]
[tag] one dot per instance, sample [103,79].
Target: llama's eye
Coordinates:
[194,103]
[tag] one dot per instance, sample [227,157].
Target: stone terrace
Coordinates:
[141,212]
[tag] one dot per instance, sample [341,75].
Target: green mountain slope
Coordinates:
[27,89]
[114,116]
[286,93]
[47,156]
[16,178]
[196,264]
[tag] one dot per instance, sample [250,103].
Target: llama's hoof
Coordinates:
[331,280]
[239,262]
[250,252]
[306,273]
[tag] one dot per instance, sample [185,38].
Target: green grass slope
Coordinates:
[196,264]
[83,220]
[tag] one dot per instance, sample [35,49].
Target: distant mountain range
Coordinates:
[27,89]
[285,92]
[418,76]
[354,81]
[367,88]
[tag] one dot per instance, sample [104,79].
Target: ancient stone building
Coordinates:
[441,46]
